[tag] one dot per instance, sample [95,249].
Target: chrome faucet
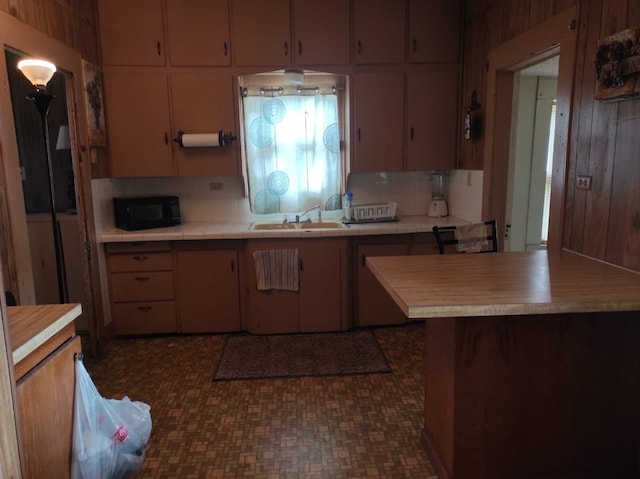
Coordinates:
[306,212]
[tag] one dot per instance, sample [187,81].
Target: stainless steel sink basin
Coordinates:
[322,225]
[270,226]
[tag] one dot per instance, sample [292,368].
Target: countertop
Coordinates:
[241,230]
[32,329]
[493,284]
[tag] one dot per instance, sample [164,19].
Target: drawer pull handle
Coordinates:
[286,49]
[140,258]
[142,279]
[233,265]
[144,309]
[364,260]
[226,49]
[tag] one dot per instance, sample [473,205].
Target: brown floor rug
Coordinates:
[248,356]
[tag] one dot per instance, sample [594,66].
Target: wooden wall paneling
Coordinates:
[541,10]
[603,147]
[519,16]
[623,232]
[583,105]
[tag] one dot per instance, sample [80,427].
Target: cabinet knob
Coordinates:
[233,265]
[414,45]
[299,48]
[359,47]
[226,49]
[144,309]
[140,258]
[286,49]
[142,279]
[411,133]
[158,48]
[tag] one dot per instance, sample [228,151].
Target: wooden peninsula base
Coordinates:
[533,396]
[532,363]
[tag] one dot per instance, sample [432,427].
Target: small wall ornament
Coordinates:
[92,80]
[617,66]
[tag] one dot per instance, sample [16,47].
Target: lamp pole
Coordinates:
[42,101]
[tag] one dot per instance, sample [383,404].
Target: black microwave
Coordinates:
[144,212]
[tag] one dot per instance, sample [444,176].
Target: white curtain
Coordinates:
[292,146]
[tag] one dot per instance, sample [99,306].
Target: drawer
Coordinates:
[138,247]
[140,262]
[142,286]
[145,318]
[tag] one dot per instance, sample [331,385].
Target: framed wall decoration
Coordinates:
[92,86]
[617,66]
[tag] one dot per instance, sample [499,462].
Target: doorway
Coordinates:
[35,189]
[557,37]
[526,223]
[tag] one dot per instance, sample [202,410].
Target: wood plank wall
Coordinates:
[604,222]
[73,22]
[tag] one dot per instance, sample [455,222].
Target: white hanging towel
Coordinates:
[277,269]
[472,238]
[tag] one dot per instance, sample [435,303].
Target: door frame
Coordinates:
[20,37]
[556,36]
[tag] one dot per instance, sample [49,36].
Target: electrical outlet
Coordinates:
[583,182]
[217,186]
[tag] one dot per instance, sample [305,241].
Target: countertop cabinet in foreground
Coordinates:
[320,302]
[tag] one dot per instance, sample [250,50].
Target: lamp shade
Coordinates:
[38,72]
[293,77]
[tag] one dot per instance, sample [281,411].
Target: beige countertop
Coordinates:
[35,331]
[241,230]
[496,284]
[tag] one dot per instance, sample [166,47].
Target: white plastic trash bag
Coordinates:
[109,435]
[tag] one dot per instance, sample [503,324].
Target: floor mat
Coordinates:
[248,356]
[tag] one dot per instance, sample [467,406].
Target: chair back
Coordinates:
[472,238]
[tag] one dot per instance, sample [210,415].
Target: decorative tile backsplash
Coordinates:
[222,200]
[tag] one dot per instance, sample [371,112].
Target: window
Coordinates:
[292,145]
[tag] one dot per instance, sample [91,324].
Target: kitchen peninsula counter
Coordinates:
[242,230]
[531,362]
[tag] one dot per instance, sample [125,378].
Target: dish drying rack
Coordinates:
[373,213]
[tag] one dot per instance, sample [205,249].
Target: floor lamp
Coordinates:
[39,72]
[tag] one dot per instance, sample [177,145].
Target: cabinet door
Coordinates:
[431,118]
[434,31]
[44,402]
[321,35]
[131,32]
[379,112]
[207,290]
[270,311]
[203,103]
[374,306]
[137,111]
[322,304]
[198,32]
[424,243]
[379,31]
[261,32]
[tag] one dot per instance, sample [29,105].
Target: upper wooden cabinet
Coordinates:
[202,102]
[198,32]
[431,120]
[378,31]
[378,122]
[434,31]
[137,114]
[140,114]
[320,32]
[131,33]
[261,32]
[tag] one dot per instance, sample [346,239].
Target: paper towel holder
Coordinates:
[224,139]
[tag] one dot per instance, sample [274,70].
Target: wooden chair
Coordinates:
[446,235]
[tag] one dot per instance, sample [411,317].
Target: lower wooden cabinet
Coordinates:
[207,287]
[44,399]
[320,304]
[142,290]
[373,305]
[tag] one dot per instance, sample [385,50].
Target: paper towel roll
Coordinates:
[200,139]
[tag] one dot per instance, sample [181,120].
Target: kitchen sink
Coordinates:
[270,226]
[322,225]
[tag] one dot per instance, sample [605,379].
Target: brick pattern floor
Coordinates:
[365,426]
